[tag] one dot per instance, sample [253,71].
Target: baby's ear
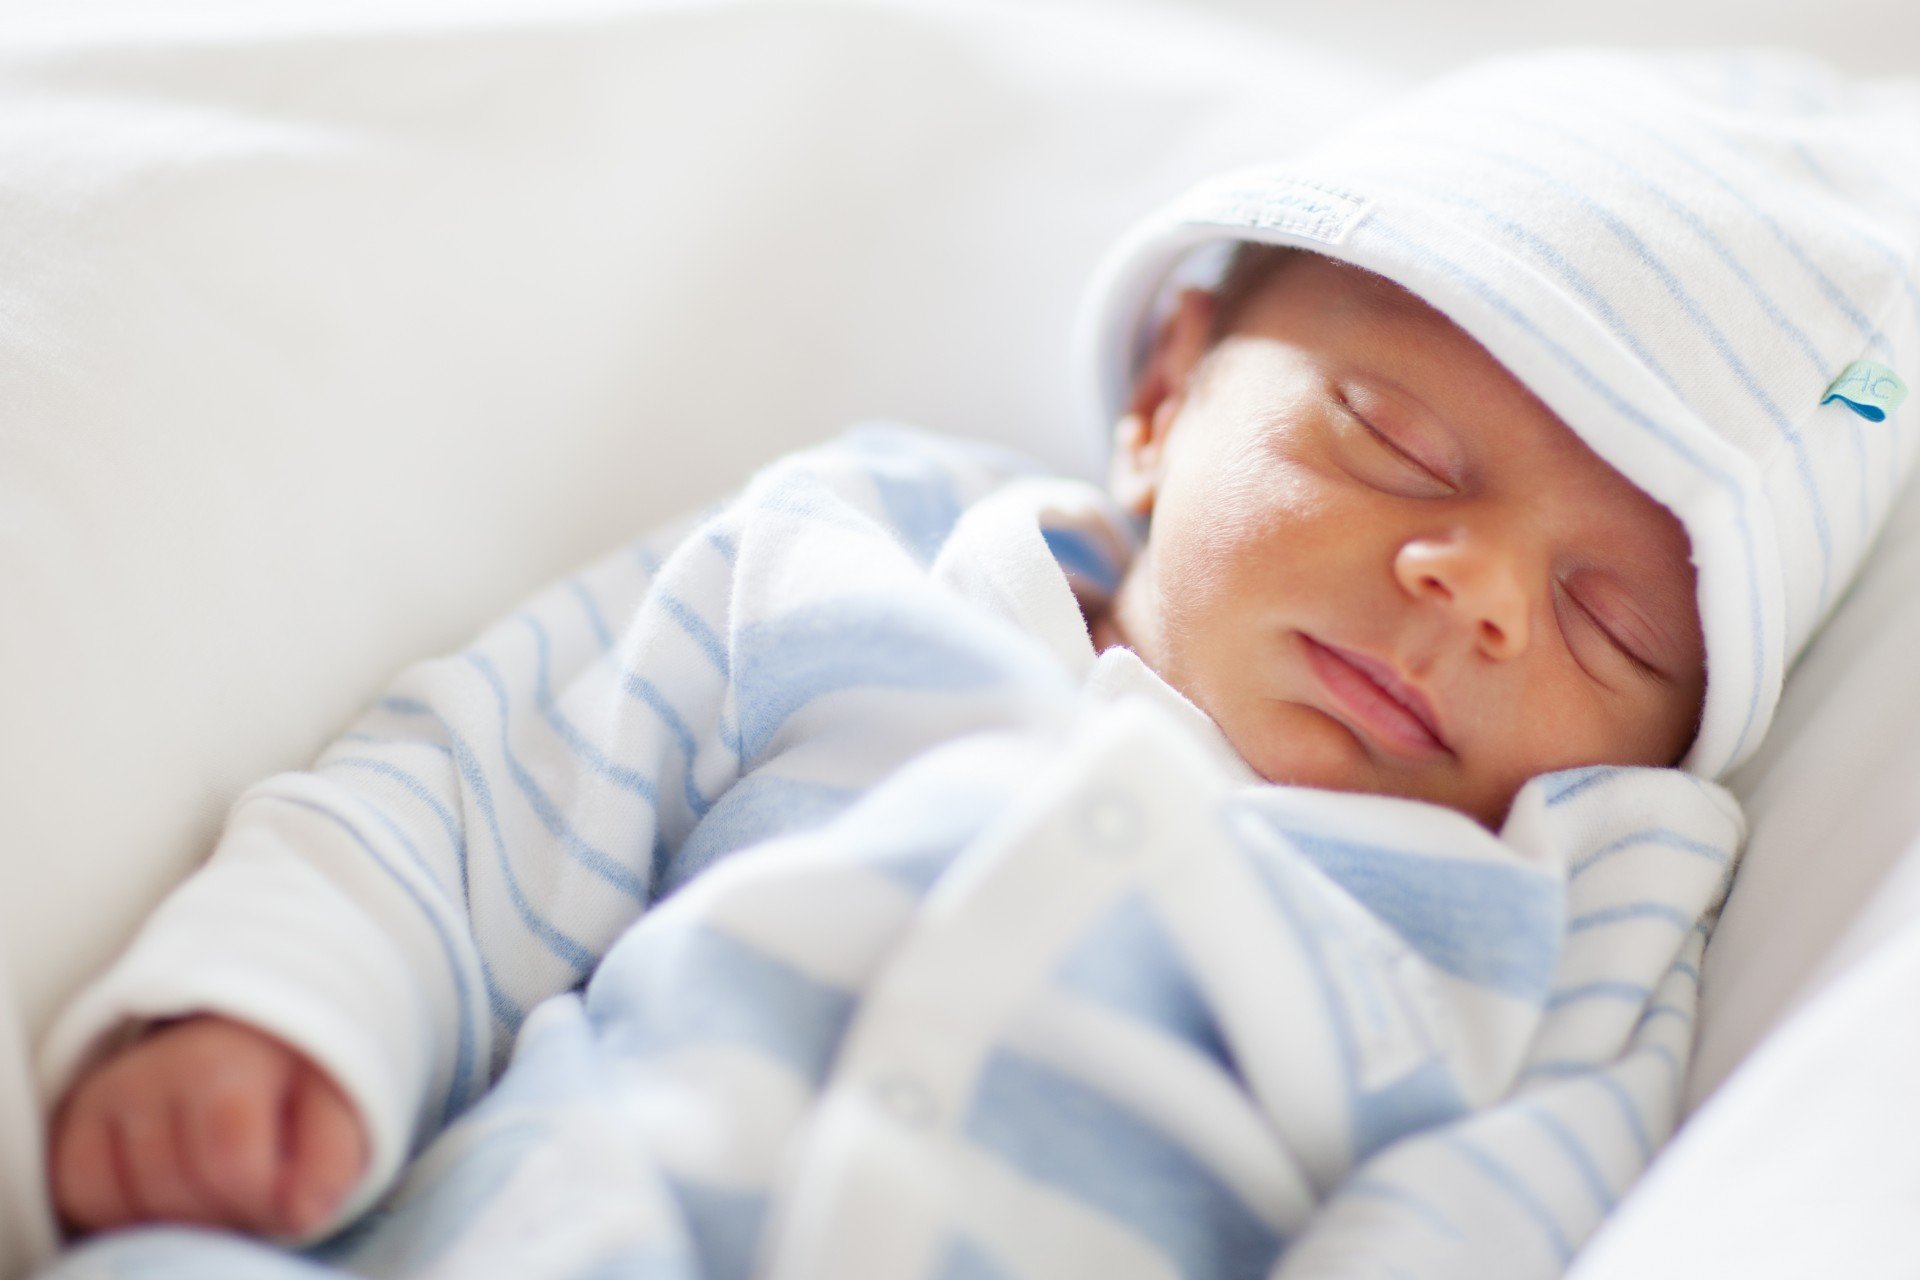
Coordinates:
[1159,393]
[1133,473]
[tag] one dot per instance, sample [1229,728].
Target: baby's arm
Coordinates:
[490,827]
[380,924]
[206,1121]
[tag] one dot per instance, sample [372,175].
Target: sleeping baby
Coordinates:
[1292,858]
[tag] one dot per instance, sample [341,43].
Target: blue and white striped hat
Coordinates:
[1705,265]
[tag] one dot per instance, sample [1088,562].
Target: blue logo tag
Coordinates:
[1871,390]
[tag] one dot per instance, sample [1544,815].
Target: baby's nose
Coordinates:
[1477,581]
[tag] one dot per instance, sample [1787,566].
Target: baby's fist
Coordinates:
[205,1121]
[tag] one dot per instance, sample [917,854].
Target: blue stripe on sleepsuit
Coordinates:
[374,740]
[759,807]
[1657,1011]
[646,691]
[1278,869]
[596,623]
[464,1065]
[1370,1187]
[504,1010]
[1629,1112]
[416,790]
[1065,1134]
[190,1253]
[1514,1188]
[920,505]
[1571,1068]
[597,861]
[628,779]
[1631,992]
[1490,924]
[411,1236]
[1079,556]
[1667,1058]
[1575,1151]
[669,985]
[1630,413]
[849,642]
[697,630]
[1421,1099]
[962,1259]
[912,854]
[508,1013]
[1660,836]
[1603,916]
[724,1226]
[1125,962]
[1564,786]
[641,1263]
[577,957]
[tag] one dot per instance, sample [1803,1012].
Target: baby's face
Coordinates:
[1381,564]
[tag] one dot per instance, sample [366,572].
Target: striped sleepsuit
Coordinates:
[835,911]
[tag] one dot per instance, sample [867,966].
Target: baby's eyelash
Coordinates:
[1640,664]
[1387,442]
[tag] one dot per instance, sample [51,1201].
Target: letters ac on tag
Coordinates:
[1868,388]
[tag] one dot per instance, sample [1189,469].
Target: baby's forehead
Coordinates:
[1256,273]
[1380,325]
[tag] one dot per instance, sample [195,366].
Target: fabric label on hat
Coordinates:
[1871,390]
[1272,202]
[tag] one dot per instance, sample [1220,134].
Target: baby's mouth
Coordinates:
[1393,712]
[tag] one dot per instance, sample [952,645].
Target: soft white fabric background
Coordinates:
[329,329]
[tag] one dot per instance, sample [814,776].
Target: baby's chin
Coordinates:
[1302,746]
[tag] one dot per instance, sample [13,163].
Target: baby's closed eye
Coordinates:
[1623,635]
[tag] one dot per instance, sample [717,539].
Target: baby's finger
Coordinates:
[157,1186]
[231,1141]
[87,1188]
[327,1151]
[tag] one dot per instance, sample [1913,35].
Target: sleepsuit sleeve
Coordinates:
[484,831]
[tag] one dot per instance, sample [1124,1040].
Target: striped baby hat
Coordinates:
[1704,264]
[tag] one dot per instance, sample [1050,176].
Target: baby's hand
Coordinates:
[205,1121]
